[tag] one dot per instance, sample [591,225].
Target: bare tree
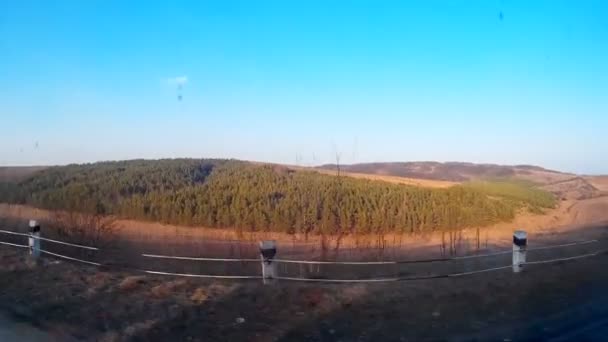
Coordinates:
[92,229]
[338,156]
[338,205]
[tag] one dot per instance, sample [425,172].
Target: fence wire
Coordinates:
[13,244]
[63,243]
[308,270]
[197,258]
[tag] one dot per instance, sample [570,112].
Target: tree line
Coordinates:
[249,197]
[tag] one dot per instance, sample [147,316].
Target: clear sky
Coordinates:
[297,81]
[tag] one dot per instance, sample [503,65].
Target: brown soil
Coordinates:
[599,182]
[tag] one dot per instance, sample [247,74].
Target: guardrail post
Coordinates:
[520,241]
[33,240]
[268,249]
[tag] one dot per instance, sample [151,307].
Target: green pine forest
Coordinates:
[251,197]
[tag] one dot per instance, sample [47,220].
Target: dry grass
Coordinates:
[130,283]
[199,296]
[98,280]
[168,288]
[213,291]
[427,183]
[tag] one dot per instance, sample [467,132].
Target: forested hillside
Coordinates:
[244,196]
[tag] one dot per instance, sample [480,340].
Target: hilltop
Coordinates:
[565,186]
[455,171]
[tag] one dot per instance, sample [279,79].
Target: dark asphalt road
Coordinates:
[13,330]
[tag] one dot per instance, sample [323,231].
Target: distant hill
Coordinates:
[455,171]
[18,173]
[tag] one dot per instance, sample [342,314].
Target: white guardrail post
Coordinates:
[268,249]
[33,240]
[520,241]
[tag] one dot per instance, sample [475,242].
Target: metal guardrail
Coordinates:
[313,262]
[197,258]
[47,239]
[14,244]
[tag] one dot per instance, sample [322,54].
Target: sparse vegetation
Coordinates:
[521,192]
[93,229]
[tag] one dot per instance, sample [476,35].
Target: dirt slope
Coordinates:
[599,182]
[573,188]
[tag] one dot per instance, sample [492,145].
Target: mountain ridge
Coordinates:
[453,171]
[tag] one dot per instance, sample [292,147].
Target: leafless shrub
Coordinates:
[199,296]
[96,230]
[131,282]
[165,289]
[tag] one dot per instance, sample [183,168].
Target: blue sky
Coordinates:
[287,81]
